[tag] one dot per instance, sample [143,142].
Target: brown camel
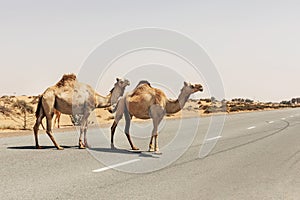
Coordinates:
[146,102]
[71,97]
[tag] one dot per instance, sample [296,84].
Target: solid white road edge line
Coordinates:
[116,165]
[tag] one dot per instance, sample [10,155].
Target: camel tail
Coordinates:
[39,107]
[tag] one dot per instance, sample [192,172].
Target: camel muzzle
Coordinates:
[199,87]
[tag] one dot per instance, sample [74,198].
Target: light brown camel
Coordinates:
[146,102]
[71,97]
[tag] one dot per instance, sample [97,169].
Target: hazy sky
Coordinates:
[255,45]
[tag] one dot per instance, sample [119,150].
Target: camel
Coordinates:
[146,102]
[72,97]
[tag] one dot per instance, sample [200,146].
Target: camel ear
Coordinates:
[117,79]
[185,83]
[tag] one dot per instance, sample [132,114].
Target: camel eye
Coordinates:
[121,82]
[192,86]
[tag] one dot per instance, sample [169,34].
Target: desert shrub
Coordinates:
[214,109]
[249,101]
[204,107]
[206,100]
[35,99]
[25,109]
[238,100]
[285,102]
[5,111]
[213,99]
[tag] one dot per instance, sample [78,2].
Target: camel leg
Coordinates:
[81,144]
[36,130]
[156,143]
[58,119]
[48,107]
[42,125]
[54,122]
[119,114]
[83,130]
[112,133]
[49,132]
[127,127]
[157,114]
[151,146]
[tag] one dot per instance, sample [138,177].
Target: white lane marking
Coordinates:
[271,122]
[214,138]
[116,165]
[252,127]
[283,118]
[292,116]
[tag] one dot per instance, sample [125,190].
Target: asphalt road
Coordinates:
[257,157]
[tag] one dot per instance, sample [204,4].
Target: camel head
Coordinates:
[118,89]
[189,88]
[122,83]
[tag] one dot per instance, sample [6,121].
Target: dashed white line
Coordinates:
[271,122]
[214,138]
[292,116]
[252,127]
[283,118]
[116,165]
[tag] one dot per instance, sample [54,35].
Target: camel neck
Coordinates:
[101,101]
[182,98]
[110,99]
[174,106]
[116,93]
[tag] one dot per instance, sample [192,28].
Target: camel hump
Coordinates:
[143,82]
[66,80]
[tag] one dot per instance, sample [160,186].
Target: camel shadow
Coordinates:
[43,147]
[111,150]
[123,151]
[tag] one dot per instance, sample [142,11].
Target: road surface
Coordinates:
[257,157]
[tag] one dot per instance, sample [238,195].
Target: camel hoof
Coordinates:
[86,145]
[112,146]
[151,149]
[60,148]
[135,148]
[81,147]
[158,153]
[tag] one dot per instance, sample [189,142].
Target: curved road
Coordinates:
[257,157]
